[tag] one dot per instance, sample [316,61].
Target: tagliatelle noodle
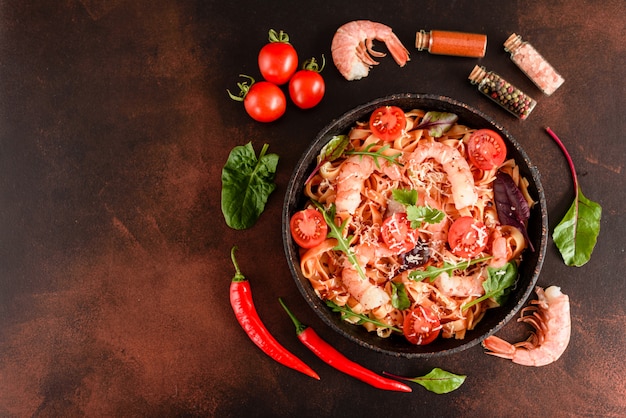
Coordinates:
[323,265]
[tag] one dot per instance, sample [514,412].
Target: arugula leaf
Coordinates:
[399,296]
[437,380]
[498,284]
[247,182]
[577,233]
[437,123]
[393,159]
[433,272]
[343,244]
[346,312]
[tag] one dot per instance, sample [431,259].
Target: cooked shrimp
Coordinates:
[550,318]
[351,179]
[461,286]
[352,48]
[455,166]
[365,292]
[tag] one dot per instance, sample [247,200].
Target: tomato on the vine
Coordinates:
[467,237]
[263,101]
[388,122]
[278,60]
[397,233]
[486,149]
[421,325]
[307,87]
[308,228]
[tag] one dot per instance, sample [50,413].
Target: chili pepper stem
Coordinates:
[238,277]
[300,327]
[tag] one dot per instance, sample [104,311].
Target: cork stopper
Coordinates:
[422,40]
[512,43]
[477,74]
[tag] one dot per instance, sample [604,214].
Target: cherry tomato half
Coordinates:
[307,87]
[308,228]
[467,237]
[486,149]
[278,59]
[388,122]
[397,233]
[421,325]
[265,102]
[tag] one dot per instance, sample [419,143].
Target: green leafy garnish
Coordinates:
[437,380]
[416,214]
[330,152]
[433,272]
[343,244]
[399,296]
[393,159]
[577,233]
[498,284]
[346,313]
[247,182]
[437,123]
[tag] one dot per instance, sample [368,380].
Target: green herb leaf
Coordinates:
[498,284]
[433,272]
[346,312]
[343,244]
[437,380]
[330,152]
[399,296]
[576,235]
[405,196]
[437,123]
[420,214]
[247,183]
[393,159]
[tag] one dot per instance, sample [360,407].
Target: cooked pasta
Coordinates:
[361,187]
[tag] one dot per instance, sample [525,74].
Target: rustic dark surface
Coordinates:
[114,255]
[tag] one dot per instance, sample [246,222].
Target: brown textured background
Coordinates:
[114,255]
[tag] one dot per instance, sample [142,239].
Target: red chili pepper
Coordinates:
[331,356]
[243,306]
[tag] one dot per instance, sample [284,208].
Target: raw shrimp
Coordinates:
[366,293]
[551,319]
[350,181]
[352,51]
[455,166]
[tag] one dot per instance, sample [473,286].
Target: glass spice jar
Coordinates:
[502,92]
[533,64]
[459,44]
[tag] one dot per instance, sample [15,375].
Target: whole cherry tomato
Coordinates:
[307,87]
[278,60]
[263,101]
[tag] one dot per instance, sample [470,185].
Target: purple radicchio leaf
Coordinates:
[437,123]
[511,205]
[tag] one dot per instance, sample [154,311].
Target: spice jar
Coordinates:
[459,44]
[502,92]
[526,57]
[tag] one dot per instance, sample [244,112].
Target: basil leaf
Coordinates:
[399,296]
[247,182]
[576,235]
[437,380]
[437,123]
[498,284]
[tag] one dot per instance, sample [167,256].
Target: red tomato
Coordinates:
[388,122]
[486,149]
[263,101]
[421,325]
[307,87]
[308,228]
[278,59]
[467,237]
[397,233]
